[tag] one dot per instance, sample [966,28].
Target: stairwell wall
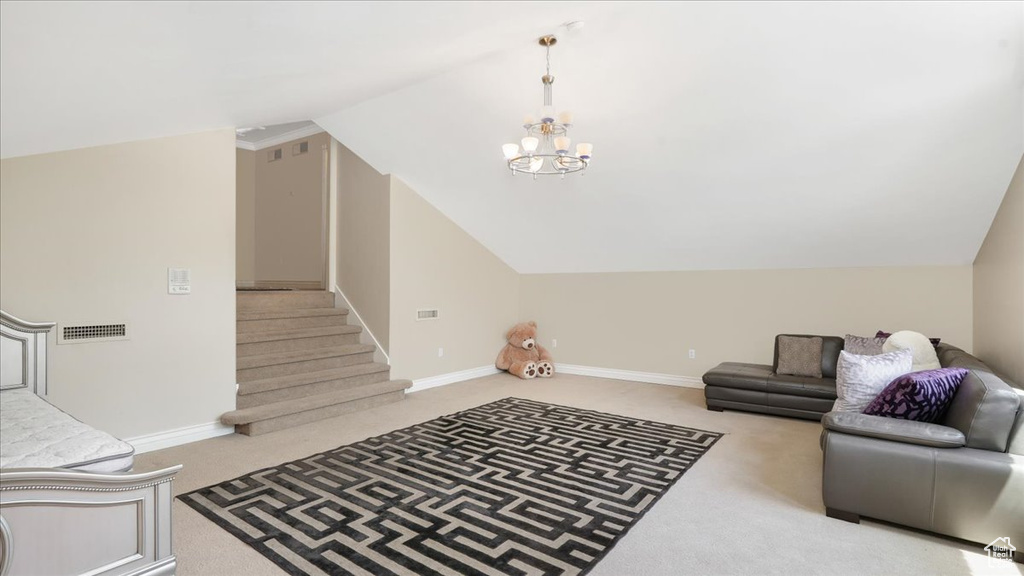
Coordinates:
[436,264]
[364,240]
[289,213]
[245,217]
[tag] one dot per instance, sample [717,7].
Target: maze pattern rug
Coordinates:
[511,487]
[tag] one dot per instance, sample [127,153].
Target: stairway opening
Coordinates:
[281,180]
[299,360]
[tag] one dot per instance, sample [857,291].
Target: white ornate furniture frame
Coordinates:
[59,521]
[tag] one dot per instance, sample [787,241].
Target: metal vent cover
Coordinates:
[428,314]
[80,334]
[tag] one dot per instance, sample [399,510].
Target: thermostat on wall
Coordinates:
[178,281]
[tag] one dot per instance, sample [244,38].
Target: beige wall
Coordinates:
[289,213]
[245,217]
[364,204]
[86,236]
[435,264]
[648,321]
[999,287]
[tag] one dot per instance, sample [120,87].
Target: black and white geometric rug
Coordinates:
[511,487]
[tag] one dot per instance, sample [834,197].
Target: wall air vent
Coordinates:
[275,154]
[300,148]
[432,314]
[92,333]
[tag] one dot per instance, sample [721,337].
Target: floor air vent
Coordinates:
[92,333]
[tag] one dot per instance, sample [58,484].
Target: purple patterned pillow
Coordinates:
[922,396]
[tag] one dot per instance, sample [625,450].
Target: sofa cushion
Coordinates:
[950,355]
[925,357]
[884,335]
[802,386]
[905,431]
[863,345]
[861,378]
[739,375]
[920,396]
[985,407]
[830,348]
[799,356]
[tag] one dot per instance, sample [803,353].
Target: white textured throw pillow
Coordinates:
[918,344]
[860,378]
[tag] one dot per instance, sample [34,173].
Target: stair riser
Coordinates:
[257,301]
[293,392]
[295,344]
[299,418]
[301,367]
[246,326]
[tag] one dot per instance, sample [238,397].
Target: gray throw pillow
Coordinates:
[863,346]
[799,356]
[860,378]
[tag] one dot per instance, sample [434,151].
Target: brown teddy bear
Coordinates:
[523,356]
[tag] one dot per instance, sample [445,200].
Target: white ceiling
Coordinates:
[727,135]
[78,74]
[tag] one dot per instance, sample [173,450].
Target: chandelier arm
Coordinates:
[552,164]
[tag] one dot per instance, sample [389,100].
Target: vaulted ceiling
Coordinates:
[727,135]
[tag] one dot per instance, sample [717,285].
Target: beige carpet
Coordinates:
[751,505]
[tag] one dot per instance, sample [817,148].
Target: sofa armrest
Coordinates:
[895,430]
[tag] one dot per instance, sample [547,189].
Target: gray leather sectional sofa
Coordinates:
[962,477]
[757,388]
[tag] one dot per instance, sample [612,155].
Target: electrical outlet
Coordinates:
[440,352]
[693,353]
[554,343]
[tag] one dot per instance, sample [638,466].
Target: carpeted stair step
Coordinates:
[272,342]
[290,319]
[250,368]
[246,301]
[280,415]
[281,388]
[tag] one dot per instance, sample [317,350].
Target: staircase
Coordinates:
[299,361]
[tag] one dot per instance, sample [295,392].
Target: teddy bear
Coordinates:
[523,356]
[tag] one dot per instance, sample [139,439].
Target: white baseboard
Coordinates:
[166,439]
[648,377]
[451,378]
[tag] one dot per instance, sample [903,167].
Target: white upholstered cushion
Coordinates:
[919,345]
[35,434]
[860,378]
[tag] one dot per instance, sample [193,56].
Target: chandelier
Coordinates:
[546,144]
